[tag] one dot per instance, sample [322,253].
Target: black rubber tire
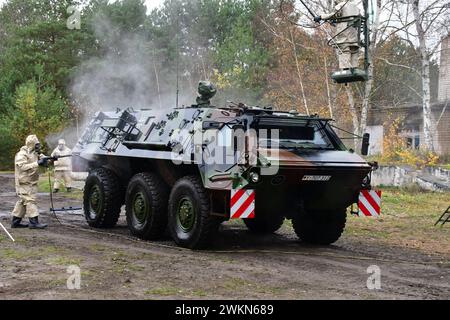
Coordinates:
[264,223]
[111,197]
[321,227]
[156,194]
[205,226]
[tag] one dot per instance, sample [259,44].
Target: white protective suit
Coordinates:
[26,178]
[63,167]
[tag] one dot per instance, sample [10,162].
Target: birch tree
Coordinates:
[423,23]
[299,76]
[359,113]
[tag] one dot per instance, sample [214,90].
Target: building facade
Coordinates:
[444,71]
[411,126]
[411,116]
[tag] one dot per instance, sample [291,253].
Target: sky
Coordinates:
[151,4]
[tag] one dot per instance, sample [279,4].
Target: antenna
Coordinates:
[178,56]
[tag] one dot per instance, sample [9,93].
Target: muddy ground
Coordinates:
[242,266]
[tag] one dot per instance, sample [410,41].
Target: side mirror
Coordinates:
[365,144]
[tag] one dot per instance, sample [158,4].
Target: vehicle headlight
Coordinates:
[254,177]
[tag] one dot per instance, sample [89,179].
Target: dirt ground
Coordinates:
[242,266]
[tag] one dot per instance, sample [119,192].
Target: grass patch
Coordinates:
[86,273]
[65,261]
[236,283]
[137,268]
[18,240]
[30,253]
[49,250]
[74,194]
[199,293]
[272,291]
[239,284]
[173,291]
[44,187]
[56,283]
[15,254]
[98,247]
[120,262]
[408,217]
[43,184]
[164,291]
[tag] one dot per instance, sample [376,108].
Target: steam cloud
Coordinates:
[127,75]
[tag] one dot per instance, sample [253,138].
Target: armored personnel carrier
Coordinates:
[189,169]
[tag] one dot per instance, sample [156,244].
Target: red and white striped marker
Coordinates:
[369,203]
[242,204]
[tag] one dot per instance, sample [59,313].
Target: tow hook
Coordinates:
[374,165]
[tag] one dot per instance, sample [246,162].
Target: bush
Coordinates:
[37,110]
[396,151]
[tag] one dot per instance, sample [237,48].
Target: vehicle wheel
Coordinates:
[102,199]
[146,206]
[264,223]
[190,222]
[321,227]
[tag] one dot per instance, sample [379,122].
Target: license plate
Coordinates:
[316,178]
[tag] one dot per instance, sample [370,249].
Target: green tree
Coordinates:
[39,110]
[34,33]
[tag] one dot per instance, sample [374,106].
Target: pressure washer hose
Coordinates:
[52,208]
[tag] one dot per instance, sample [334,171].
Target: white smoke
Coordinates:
[119,79]
[128,71]
[126,75]
[69,134]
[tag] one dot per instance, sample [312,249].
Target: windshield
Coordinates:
[295,137]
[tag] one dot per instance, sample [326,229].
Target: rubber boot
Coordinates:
[34,224]
[55,190]
[16,223]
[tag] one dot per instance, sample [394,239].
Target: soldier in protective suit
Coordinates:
[27,162]
[347,33]
[63,166]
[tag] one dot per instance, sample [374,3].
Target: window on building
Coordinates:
[417,142]
[413,142]
[409,143]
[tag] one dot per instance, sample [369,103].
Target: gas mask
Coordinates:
[37,148]
[61,144]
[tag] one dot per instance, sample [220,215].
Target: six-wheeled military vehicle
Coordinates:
[189,169]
